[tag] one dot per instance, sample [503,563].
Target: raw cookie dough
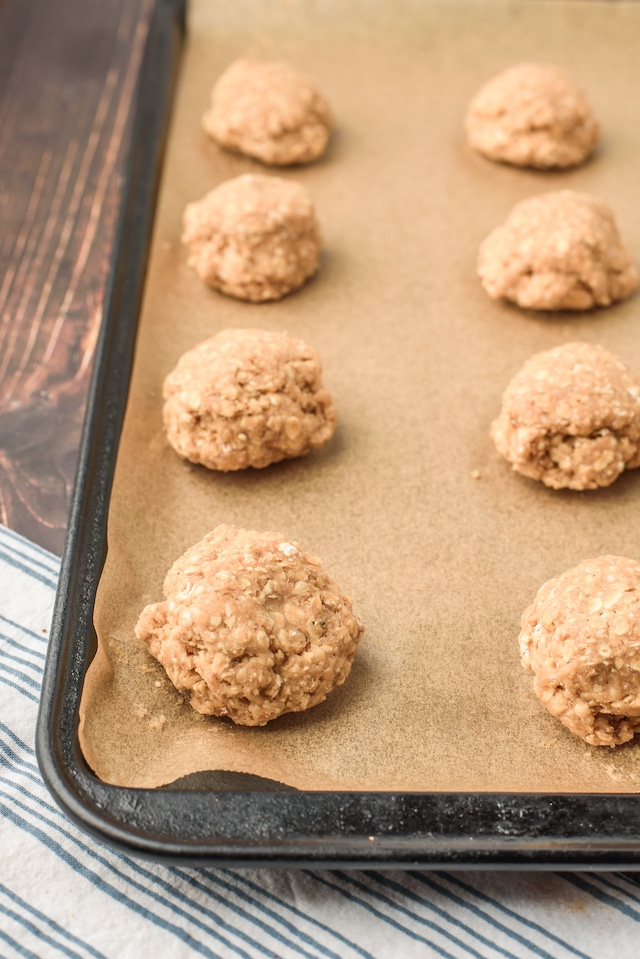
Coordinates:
[581,640]
[532,115]
[254,237]
[247,398]
[251,627]
[268,111]
[571,418]
[557,251]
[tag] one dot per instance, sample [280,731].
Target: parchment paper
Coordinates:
[440,564]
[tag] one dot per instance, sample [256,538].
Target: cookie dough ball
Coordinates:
[571,418]
[254,237]
[557,251]
[247,398]
[581,640]
[251,627]
[532,115]
[268,111]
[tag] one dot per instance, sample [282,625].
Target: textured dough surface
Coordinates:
[268,111]
[255,237]
[581,640]
[557,251]
[247,398]
[251,627]
[532,115]
[571,418]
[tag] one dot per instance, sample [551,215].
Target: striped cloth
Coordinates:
[64,894]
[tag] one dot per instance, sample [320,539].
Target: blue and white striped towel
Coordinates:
[64,894]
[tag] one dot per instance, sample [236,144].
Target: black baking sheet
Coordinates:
[230,818]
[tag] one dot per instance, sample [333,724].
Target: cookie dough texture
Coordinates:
[532,115]
[571,418]
[557,251]
[581,640]
[254,237]
[251,627]
[247,398]
[270,112]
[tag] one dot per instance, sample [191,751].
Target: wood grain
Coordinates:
[68,72]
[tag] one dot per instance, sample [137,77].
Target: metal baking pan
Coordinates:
[231,819]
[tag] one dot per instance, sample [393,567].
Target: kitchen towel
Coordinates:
[63,894]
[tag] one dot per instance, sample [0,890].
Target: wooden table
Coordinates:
[68,72]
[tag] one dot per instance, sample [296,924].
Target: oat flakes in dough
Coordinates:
[254,237]
[581,640]
[251,627]
[571,418]
[268,111]
[532,115]
[247,398]
[557,251]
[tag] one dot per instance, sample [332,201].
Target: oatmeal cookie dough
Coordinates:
[571,418]
[270,112]
[581,640]
[532,115]
[251,627]
[557,251]
[247,398]
[254,237]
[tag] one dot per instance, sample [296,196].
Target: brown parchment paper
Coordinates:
[440,564]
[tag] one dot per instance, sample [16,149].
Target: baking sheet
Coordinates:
[440,564]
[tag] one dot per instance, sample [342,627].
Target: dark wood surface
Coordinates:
[68,73]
